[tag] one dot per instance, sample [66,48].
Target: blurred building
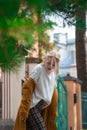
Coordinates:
[67,51]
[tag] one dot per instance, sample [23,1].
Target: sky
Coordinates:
[70,30]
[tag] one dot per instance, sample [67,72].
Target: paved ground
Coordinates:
[6,124]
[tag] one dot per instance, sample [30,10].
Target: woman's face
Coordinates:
[49,65]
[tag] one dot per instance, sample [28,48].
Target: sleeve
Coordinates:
[27,91]
[35,73]
[23,111]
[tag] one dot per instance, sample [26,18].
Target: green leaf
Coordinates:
[9,8]
[11,55]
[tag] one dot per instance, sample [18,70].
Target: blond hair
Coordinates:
[55,57]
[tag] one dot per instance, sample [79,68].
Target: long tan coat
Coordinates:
[49,114]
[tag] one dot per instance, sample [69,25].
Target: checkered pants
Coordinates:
[35,120]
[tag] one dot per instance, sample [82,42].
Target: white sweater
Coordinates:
[44,85]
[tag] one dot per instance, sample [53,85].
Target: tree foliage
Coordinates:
[17,29]
[17,23]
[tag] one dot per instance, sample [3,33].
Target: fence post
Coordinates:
[73,86]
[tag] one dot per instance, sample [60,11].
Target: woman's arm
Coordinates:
[27,91]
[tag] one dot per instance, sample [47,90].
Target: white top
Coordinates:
[44,85]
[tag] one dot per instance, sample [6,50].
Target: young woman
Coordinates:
[38,108]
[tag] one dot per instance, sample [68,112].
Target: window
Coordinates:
[60,38]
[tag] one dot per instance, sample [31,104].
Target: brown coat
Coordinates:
[49,114]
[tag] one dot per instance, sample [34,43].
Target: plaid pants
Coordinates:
[35,120]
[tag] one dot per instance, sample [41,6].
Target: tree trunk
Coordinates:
[80,47]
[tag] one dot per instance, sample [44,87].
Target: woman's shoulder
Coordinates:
[36,70]
[38,66]
[35,74]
